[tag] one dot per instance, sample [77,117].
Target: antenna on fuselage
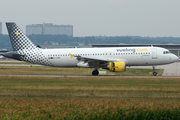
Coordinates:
[151,45]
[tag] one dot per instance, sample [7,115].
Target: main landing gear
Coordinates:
[95,72]
[154,73]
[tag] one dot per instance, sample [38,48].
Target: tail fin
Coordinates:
[18,39]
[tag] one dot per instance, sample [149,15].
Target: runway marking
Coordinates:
[171,74]
[70,76]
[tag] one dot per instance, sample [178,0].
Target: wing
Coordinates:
[94,62]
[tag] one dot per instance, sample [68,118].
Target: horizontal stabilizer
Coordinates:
[12,54]
[2,57]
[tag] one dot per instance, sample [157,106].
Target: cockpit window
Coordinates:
[166,52]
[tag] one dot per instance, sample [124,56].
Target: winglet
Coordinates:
[71,55]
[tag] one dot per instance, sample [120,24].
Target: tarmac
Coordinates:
[170,70]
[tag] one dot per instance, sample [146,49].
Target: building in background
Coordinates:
[49,28]
[34,29]
[0,27]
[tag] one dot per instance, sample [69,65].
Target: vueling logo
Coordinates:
[141,49]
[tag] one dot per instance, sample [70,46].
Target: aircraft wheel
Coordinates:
[154,73]
[95,72]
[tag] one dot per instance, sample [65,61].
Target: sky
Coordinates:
[153,18]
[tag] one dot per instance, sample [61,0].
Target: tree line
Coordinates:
[75,41]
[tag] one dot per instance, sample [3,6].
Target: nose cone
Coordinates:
[175,58]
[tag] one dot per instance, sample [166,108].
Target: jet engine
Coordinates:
[117,66]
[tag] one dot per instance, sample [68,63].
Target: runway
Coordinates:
[170,71]
[70,76]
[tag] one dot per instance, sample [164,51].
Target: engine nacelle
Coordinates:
[117,66]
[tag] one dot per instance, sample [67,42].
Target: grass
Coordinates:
[43,70]
[96,87]
[106,97]
[108,83]
[13,108]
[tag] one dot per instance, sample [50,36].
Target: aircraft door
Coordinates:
[154,53]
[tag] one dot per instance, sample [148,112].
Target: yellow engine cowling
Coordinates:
[117,66]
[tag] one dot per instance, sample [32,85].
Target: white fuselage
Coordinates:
[132,56]
[114,59]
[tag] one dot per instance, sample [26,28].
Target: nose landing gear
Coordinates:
[154,73]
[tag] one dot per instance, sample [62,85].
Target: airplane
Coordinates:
[2,57]
[114,59]
[3,51]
